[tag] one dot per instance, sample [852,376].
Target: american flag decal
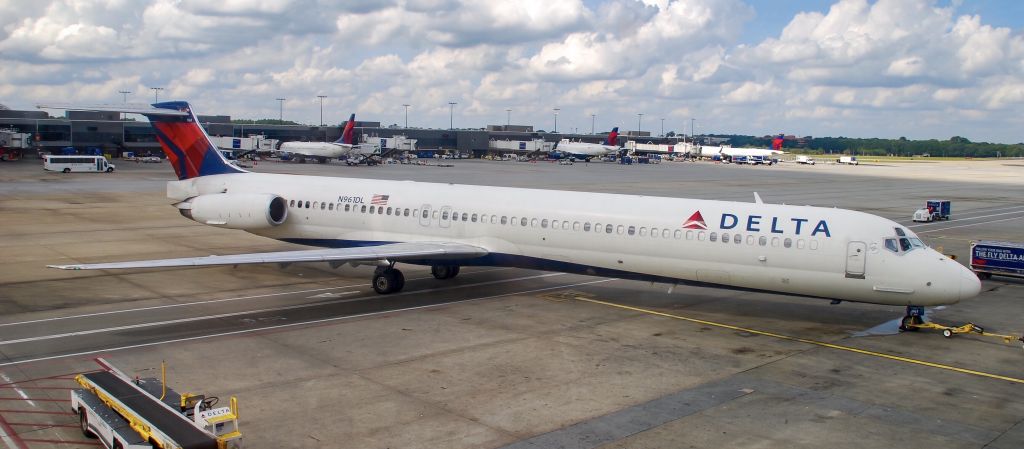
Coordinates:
[380,200]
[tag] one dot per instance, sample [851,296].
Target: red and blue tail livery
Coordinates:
[348,132]
[186,144]
[613,137]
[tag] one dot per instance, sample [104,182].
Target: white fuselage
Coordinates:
[329,150]
[801,250]
[585,149]
[733,152]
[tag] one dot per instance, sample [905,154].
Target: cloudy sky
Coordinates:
[858,68]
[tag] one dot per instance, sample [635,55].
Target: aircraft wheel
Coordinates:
[444,271]
[947,333]
[908,323]
[388,281]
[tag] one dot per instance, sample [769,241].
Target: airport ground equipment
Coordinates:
[915,321]
[143,413]
[933,210]
[990,257]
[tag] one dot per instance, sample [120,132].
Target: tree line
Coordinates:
[956,146]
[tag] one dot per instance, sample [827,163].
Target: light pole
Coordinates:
[156,93]
[451,114]
[280,110]
[662,127]
[321,97]
[508,118]
[556,119]
[406,115]
[639,118]
[125,93]
[593,118]
[691,129]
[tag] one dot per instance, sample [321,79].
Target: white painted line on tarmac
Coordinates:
[965,219]
[972,224]
[304,323]
[249,312]
[214,301]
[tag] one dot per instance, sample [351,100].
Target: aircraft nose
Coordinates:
[970,285]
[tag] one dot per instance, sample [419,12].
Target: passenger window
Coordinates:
[406,212]
[750,240]
[523,221]
[712,237]
[689,235]
[565,225]
[678,234]
[483,218]
[800,244]
[737,239]
[788,242]
[631,230]
[608,229]
[762,240]
[620,229]
[465,216]
[473,219]
[314,204]
[643,231]
[543,223]
[586,227]
[323,206]
[373,209]
[597,227]
[775,242]
[725,237]
[434,215]
[389,211]
[494,219]
[654,233]
[307,204]
[362,209]
[444,216]
[331,207]
[380,210]
[814,244]
[575,226]
[291,203]
[504,219]
[534,223]
[700,236]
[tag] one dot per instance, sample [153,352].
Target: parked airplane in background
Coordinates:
[806,251]
[585,150]
[730,152]
[345,147]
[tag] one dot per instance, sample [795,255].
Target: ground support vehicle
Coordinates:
[990,257]
[130,413]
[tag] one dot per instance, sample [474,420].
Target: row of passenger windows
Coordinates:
[641,231]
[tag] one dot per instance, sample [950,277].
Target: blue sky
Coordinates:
[862,68]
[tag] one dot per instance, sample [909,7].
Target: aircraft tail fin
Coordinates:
[187,146]
[348,132]
[613,137]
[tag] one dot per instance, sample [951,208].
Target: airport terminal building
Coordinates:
[113,135]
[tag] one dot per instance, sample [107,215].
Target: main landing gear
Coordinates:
[388,279]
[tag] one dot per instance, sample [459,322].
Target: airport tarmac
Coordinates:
[505,358]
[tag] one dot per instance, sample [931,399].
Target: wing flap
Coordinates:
[393,251]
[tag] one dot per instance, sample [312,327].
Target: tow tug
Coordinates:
[915,321]
[126,413]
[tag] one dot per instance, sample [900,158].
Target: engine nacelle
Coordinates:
[236,210]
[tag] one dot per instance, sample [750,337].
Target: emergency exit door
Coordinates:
[856,252]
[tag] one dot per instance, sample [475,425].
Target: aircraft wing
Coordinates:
[391,251]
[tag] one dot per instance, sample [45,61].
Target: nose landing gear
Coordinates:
[913,320]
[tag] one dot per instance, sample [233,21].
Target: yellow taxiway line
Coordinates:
[808,341]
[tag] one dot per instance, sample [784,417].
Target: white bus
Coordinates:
[68,164]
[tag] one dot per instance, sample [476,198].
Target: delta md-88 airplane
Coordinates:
[814,252]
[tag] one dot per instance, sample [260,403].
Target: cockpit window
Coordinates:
[900,232]
[905,244]
[890,244]
[917,243]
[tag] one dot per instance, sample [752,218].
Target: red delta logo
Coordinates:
[696,221]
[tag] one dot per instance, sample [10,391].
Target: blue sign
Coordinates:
[236,144]
[522,145]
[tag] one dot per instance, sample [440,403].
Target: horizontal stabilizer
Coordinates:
[391,251]
[122,108]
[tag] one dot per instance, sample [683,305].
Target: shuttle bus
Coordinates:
[68,164]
